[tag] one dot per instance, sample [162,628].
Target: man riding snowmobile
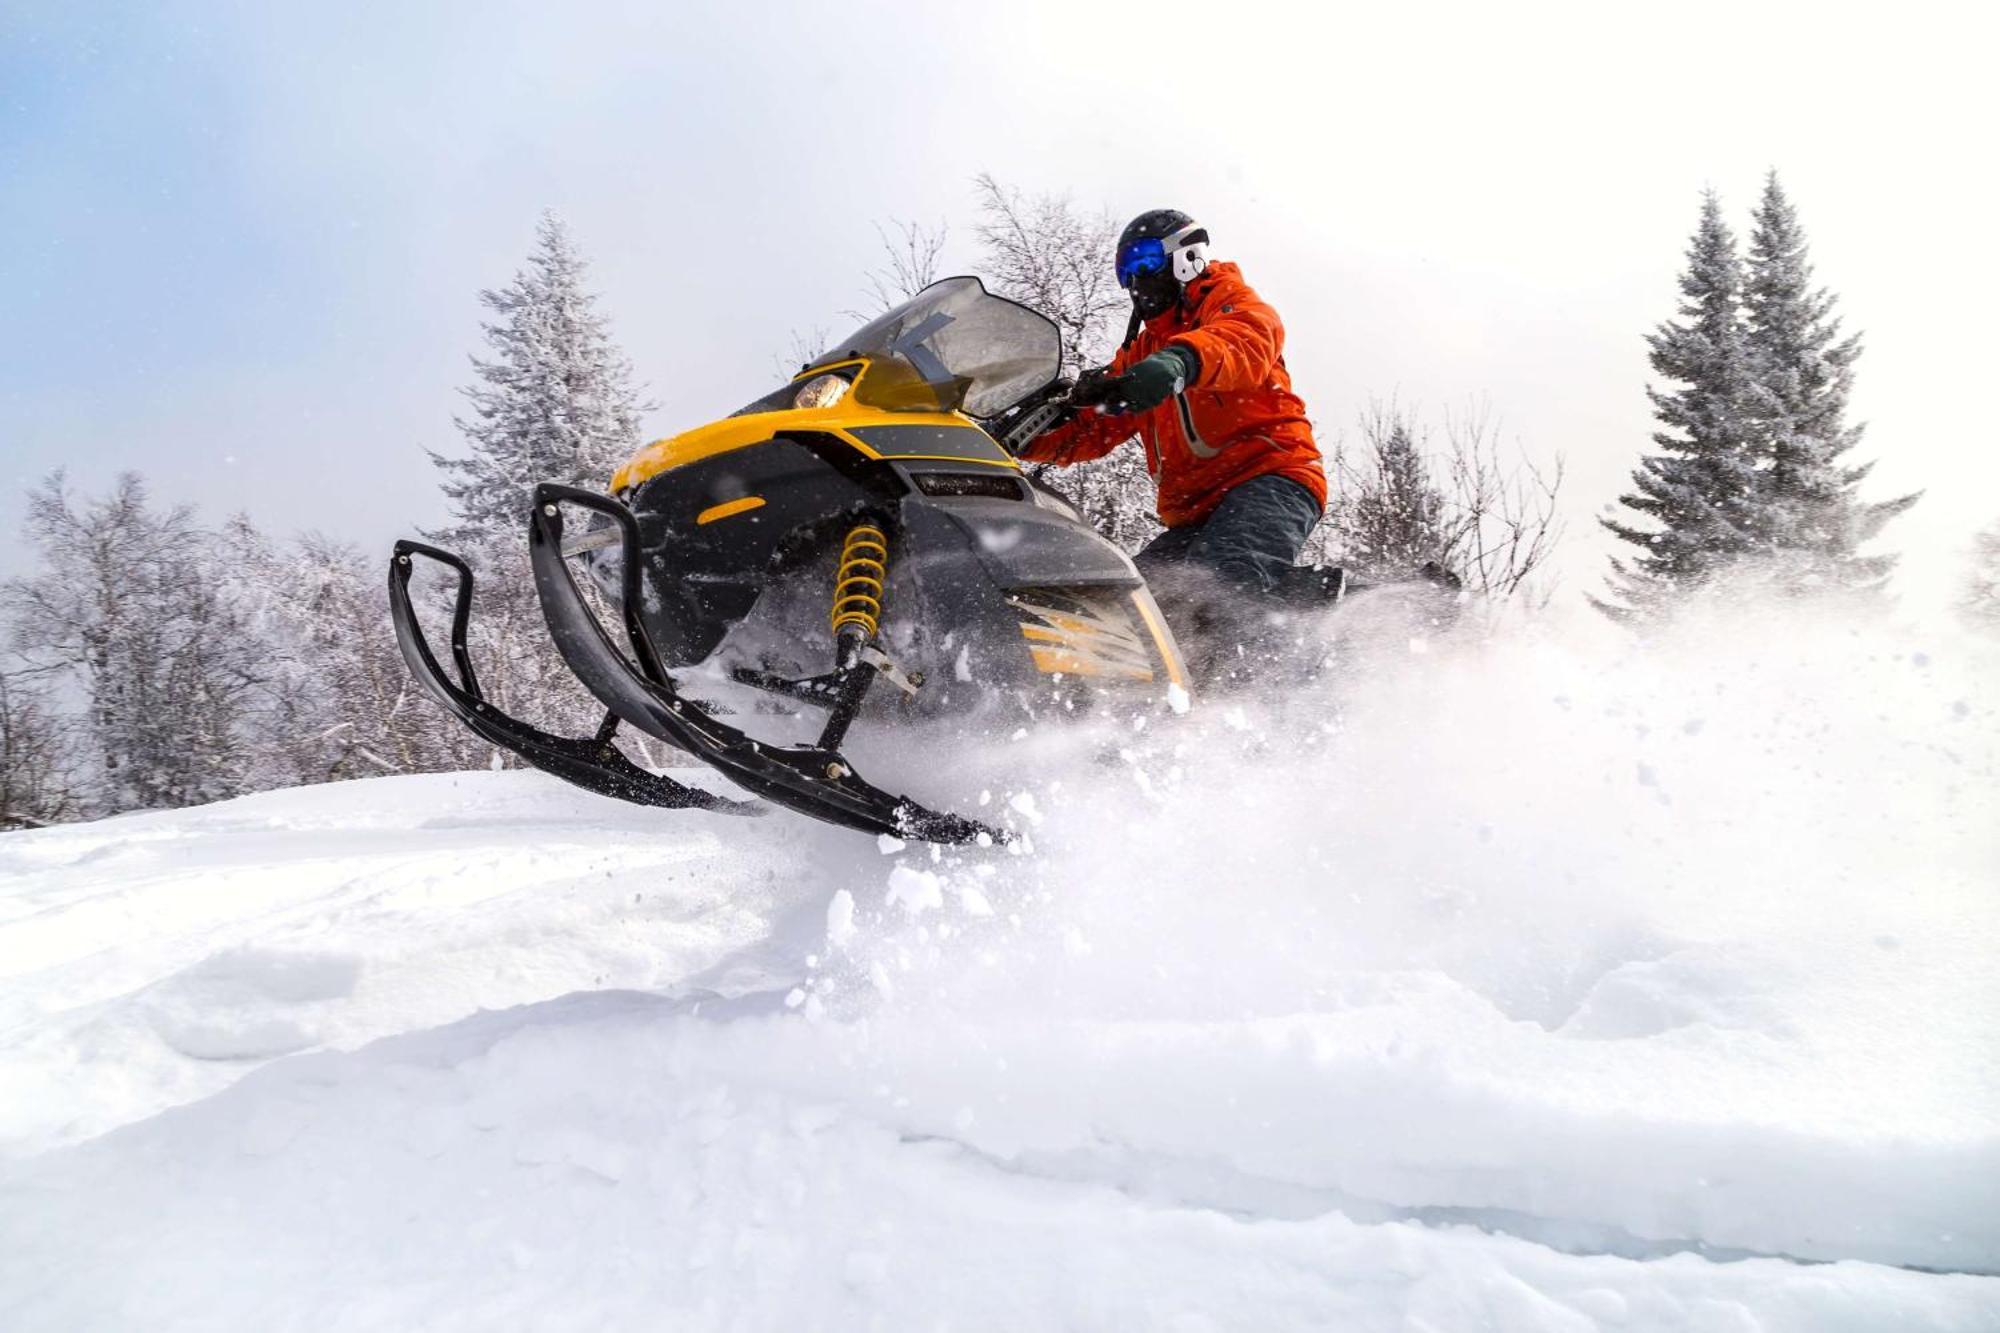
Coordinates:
[1201,380]
[870,521]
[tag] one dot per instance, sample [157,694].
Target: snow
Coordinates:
[915,891]
[1533,983]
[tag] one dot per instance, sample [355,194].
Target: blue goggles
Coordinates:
[1143,256]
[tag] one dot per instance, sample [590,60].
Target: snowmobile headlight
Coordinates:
[820,391]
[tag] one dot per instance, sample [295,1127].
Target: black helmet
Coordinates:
[1159,253]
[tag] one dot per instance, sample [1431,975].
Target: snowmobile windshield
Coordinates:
[954,346]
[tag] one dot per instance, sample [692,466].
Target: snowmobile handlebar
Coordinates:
[1035,416]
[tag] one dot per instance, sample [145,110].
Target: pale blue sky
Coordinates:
[240,242]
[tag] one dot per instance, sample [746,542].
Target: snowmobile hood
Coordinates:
[910,384]
[875,433]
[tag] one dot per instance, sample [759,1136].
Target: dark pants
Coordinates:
[1248,542]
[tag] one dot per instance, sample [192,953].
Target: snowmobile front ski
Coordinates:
[816,780]
[593,764]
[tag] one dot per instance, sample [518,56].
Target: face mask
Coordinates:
[1155,293]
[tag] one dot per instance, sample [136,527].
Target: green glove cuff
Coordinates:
[1157,378]
[1190,362]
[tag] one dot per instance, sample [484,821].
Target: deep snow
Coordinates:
[1530,982]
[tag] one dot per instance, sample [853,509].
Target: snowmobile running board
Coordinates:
[812,780]
[594,764]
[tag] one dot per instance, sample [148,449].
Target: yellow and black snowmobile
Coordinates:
[870,515]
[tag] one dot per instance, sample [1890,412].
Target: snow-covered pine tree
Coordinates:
[1054,259]
[1801,373]
[1980,601]
[555,403]
[1700,492]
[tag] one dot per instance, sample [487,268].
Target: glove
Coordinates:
[1144,386]
[1092,388]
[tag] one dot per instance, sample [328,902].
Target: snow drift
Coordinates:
[1524,982]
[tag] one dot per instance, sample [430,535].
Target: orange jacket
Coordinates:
[1238,420]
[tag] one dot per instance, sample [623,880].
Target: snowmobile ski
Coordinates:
[593,764]
[815,780]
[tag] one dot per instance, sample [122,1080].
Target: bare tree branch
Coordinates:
[1045,254]
[1054,259]
[1398,502]
[911,264]
[801,349]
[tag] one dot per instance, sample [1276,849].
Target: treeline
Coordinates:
[159,664]
[156,662]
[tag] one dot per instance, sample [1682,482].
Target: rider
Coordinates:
[1201,380]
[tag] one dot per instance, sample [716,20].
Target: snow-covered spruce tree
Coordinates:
[1801,373]
[1054,259]
[1700,492]
[1980,602]
[126,609]
[555,403]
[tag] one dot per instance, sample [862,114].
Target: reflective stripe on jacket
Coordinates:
[1238,420]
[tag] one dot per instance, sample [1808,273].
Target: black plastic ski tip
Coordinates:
[591,763]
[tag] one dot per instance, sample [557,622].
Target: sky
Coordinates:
[241,244]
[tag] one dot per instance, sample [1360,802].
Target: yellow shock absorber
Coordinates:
[858,587]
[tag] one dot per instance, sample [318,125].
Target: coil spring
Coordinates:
[857,589]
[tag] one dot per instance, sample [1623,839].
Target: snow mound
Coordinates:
[1518,984]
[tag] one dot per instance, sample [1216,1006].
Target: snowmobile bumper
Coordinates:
[812,780]
[593,764]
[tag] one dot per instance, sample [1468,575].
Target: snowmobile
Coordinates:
[868,518]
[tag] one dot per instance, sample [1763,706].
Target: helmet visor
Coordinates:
[1136,259]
